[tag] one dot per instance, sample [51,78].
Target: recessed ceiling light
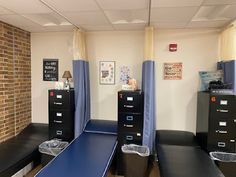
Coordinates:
[50,24]
[135,21]
[138,21]
[120,22]
[65,24]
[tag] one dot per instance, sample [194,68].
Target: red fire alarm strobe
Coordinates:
[173,47]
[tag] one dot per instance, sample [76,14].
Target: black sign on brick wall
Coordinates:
[50,69]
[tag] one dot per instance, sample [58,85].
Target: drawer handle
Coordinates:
[56,103]
[58,121]
[128,126]
[221,144]
[129,118]
[222,110]
[59,132]
[130,138]
[221,132]
[128,106]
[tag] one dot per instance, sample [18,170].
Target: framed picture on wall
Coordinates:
[173,71]
[107,72]
[50,69]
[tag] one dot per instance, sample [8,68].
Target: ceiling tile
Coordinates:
[174,3]
[19,21]
[169,25]
[25,6]
[216,2]
[123,4]
[173,14]
[229,12]
[73,5]
[97,27]
[127,16]
[4,11]
[129,26]
[218,12]
[87,18]
[210,13]
[207,24]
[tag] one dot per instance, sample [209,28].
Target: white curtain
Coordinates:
[79,45]
[149,43]
[228,44]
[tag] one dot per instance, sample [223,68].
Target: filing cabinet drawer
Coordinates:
[130,101]
[130,122]
[53,124]
[61,116]
[222,144]
[223,127]
[130,138]
[61,133]
[60,99]
[223,106]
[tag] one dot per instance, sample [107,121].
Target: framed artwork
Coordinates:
[173,71]
[50,69]
[107,72]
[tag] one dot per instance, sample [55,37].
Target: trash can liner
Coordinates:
[136,149]
[52,147]
[223,156]
[226,162]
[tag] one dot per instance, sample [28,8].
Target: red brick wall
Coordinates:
[15,80]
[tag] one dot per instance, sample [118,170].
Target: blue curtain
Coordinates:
[148,86]
[229,69]
[82,95]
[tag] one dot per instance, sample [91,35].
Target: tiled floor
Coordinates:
[154,171]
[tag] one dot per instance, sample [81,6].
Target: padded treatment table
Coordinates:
[22,149]
[179,155]
[89,155]
[176,137]
[101,126]
[185,161]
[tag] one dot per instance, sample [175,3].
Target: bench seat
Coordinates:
[22,149]
[179,155]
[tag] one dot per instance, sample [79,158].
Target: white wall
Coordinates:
[176,100]
[47,45]
[126,48]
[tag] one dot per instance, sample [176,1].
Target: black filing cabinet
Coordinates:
[61,114]
[130,122]
[216,121]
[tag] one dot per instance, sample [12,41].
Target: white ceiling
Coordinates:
[95,15]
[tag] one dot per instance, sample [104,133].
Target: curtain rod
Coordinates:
[149,11]
[58,13]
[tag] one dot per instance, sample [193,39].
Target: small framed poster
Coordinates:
[107,72]
[50,69]
[173,71]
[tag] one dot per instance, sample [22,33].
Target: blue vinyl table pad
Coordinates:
[87,156]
